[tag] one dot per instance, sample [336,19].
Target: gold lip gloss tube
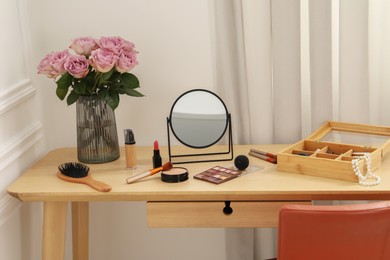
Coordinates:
[131,158]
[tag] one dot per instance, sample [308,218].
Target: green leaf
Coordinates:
[133,93]
[91,77]
[103,93]
[113,100]
[115,82]
[104,77]
[80,87]
[115,76]
[89,90]
[129,80]
[120,90]
[61,93]
[73,96]
[65,80]
[63,84]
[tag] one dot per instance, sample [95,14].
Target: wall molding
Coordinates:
[12,150]
[19,144]
[24,140]
[8,206]
[15,95]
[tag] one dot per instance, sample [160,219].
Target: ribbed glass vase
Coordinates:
[97,136]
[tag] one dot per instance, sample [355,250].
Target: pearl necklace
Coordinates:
[363,180]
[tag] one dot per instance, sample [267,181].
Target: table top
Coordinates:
[40,183]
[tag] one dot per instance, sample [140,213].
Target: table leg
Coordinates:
[80,230]
[54,230]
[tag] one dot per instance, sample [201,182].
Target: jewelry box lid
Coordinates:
[365,135]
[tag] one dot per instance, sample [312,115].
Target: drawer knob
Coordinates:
[227,210]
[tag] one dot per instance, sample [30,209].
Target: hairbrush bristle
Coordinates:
[74,169]
[167,166]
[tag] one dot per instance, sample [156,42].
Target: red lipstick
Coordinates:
[157,161]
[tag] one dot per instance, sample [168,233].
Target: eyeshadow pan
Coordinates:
[217,174]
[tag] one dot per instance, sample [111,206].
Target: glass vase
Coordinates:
[97,136]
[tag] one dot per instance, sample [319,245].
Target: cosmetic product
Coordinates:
[263,157]
[241,162]
[157,161]
[176,174]
[263,153]
[217,174]
[131,159]
[167,166]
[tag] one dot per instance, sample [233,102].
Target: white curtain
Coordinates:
[286,67]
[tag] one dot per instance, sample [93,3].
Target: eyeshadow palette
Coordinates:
[217,174]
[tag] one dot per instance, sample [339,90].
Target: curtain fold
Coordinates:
[354,90]
[379,61]
[286,67]
[230,66]
[256,22]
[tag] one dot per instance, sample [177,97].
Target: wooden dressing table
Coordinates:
[255,198]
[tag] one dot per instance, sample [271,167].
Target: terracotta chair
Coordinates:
[360,231]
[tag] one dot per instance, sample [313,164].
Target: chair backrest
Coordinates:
[316,232]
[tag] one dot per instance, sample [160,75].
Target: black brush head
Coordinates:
[74,169]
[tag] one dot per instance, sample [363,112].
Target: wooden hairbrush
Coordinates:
[78,172]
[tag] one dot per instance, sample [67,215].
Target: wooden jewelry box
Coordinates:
[328,152]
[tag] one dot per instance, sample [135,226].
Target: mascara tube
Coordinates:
[131,159]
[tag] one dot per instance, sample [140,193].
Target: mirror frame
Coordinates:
[192,145]
[212,156]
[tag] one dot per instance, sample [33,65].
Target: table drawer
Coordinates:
[215,214]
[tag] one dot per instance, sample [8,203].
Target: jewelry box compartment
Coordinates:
[328,152]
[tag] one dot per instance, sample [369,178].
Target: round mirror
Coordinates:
[198,118]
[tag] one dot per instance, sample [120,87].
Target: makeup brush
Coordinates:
[78,173]
[167,166]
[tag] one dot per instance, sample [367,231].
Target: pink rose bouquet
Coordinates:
[97,67]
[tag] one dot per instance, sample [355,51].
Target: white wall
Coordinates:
[21,133]
[176,53]
[174,42]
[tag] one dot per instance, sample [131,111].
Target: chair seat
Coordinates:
[359,231]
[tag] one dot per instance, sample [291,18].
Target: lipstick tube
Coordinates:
[131,158]
[157,161]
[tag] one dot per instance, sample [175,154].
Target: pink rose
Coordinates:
[113,44]
[84,45]
[128,46]
[52,65]
[58,59]
[46,68]
[103,60]
[77,66]
[127,60]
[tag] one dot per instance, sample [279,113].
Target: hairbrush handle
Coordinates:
[88,180]
[98,185]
